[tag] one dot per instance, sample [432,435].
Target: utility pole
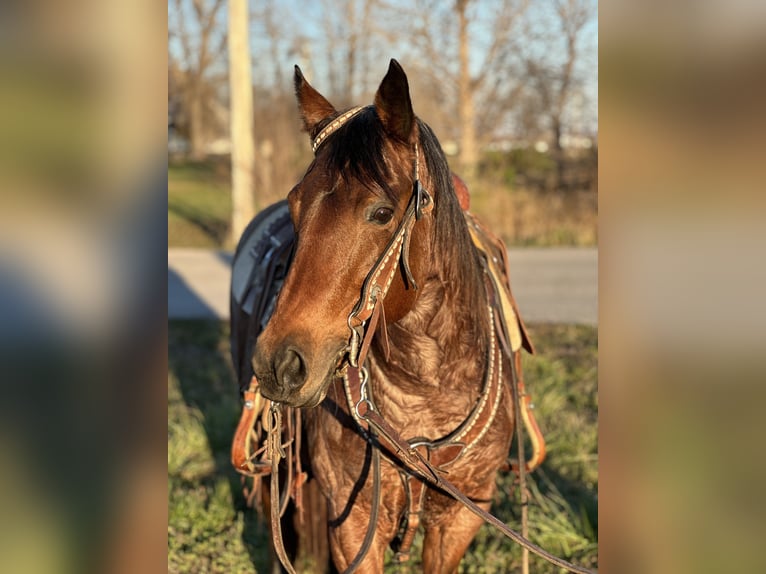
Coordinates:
[241,116]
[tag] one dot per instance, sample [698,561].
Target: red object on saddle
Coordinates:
[461,190]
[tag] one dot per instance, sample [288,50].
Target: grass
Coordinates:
[199,204]
[210,529]
[524,218]
[199,210]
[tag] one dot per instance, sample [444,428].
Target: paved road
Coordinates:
[558,285]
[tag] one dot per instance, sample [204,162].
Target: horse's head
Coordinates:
[351,201]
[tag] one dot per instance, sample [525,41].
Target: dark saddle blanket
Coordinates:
[261,261]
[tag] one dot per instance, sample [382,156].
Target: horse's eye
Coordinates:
[382,215]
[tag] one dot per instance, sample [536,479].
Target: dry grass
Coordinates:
[530,218]
[199,210]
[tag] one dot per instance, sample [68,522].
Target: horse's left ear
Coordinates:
[393,105]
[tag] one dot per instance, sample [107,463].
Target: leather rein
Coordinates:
[422,460]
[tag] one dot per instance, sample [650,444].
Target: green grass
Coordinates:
[211,530]
[209,527]
[199,204]
[563,513]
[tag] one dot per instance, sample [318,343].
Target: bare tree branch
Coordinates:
[203,43]
[182,34]
[502,39]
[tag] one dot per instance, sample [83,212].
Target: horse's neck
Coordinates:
[438,347]
[438,357]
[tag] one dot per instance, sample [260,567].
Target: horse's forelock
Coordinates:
[357,151]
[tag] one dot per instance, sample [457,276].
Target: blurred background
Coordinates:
[682,361]
[91,133]
[82,272]
[509,87]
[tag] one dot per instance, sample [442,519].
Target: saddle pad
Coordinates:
[259,268]
[263,238]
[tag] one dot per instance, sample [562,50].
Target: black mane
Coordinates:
[357,151]
[452,245]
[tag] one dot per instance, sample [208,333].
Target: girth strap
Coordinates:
[509,326]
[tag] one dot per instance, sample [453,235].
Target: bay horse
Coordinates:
[378,203]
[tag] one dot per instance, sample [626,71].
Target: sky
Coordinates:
[305,19]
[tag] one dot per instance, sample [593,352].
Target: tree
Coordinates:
[470,47]
[281,150]
[241,98]
[555,79]
[194,27]
[351,29]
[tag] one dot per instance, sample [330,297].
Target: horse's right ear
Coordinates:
[313,106]
[393,105]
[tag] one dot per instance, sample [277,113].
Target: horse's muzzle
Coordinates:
[290,376]
[281,375]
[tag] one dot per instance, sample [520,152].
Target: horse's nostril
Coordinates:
[290,368]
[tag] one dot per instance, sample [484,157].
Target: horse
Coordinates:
[385,270]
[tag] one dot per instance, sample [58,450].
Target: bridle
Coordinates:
[422,460]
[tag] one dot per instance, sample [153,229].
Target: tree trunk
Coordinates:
[469,153]
[242,139]
[558,152]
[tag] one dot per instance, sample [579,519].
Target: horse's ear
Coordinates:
[393,105]
[313,105]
